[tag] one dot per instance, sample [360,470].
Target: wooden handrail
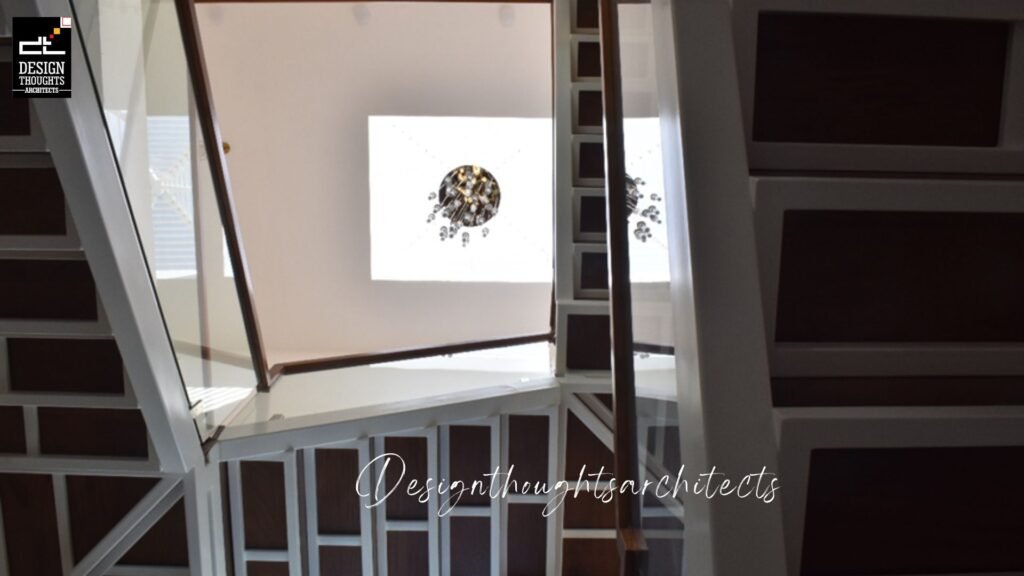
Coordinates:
[333,363]
[632,547]
[221,184]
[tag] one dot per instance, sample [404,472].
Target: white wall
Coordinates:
[294,85]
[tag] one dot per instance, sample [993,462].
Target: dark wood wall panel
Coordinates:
[583,450]
[341,561]
[470,546]
[337,505]
[591,108]
[850,276]
[267,568]
[903,391]
[588,60]
[470,459]
[527,540]
[586,510]
[413,450]
[588,342]
[842,78]
[30,525]
[93,432]
[587,14]
[31,200]
[591,557]
[408,554]
[914,511]
[47,290]
[14,119]
[528,447]
[591,160]
[594,271]
[65,365]
[593,218]
[263,506]
[12,430]
[166,543]
[97,503]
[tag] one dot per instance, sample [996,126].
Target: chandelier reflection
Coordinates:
[467,198]
[652,212]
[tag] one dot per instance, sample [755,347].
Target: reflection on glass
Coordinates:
[138,64]
[654,350]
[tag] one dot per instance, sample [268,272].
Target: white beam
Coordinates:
[76,135]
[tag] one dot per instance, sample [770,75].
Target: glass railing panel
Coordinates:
[138,66]
[656,410]
[344,150]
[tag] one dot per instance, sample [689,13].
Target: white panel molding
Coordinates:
[1008,158]
[773,196]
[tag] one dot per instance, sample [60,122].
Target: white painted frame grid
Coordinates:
[431,525]
[292,555]
[774,196]
[555,455]
[1004,159]
[315,540]
[492,511]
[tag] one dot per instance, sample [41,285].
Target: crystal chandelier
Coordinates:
[467,198]
[642,232]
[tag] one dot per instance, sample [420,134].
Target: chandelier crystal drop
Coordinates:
[652,212]
[468,197]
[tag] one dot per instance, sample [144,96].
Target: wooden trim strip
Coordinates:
[627,466]
[221,184]
[302,366]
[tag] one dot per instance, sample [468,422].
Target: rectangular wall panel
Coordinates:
[31,199]
[413,451]
[528,448]
[341,560]
[588,342]
[30,525]
[903,391]
[65,365]
[527,540]
[93,432]
[470,457]
[263,506]
[408,554]
[591,557]
[337,506]
[470,546]
[12,430]
[852,276]
[914,511]
[47,290]
[858,79]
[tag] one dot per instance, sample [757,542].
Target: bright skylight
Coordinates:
[409,157]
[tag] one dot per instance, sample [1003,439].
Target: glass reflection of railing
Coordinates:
[647,441]
[144,61]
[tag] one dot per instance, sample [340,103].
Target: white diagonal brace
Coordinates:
[131,528]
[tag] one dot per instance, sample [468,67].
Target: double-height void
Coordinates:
[279,272]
